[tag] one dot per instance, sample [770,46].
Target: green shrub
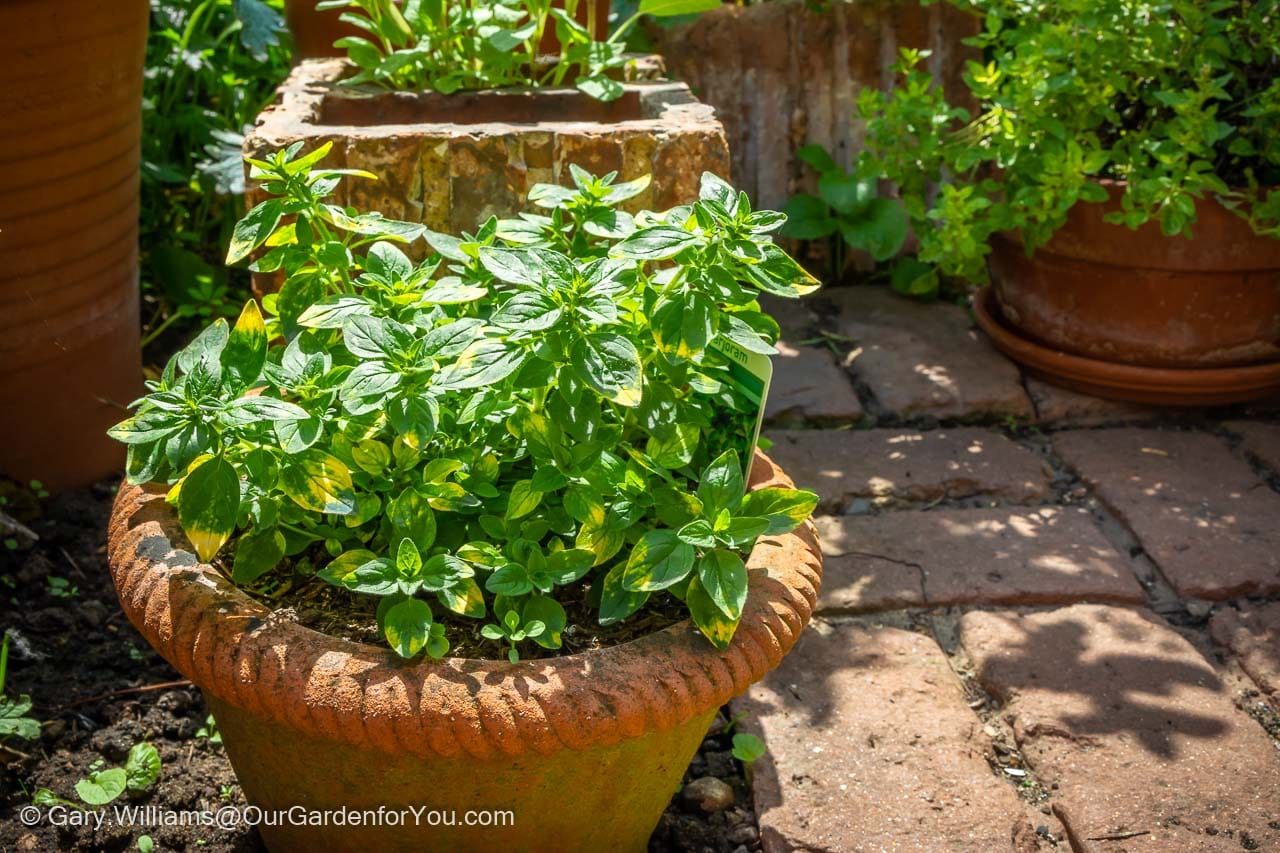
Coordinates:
[1180,99]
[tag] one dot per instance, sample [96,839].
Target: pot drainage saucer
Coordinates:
[1209,386]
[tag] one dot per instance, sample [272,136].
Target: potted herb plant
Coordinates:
[1117,183]
[529,451]
[457,112]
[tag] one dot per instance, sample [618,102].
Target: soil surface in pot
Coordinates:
[98,689]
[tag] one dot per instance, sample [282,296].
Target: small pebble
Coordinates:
[708,793]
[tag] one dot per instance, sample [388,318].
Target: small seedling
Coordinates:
[60,587]
[209,732]
[14,721]
[748,748]
[104,784]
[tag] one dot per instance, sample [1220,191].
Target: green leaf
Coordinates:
[208,503]
[721,485]
[616,601]
[724,578]
[710,619]
[407,625]
[816,157]
[142,767]
[544,609]
[408,560]
[343,567]
[748,748]
[658,561]
[252,231]
[246,349]
[512,579]
[412,516]
[464,598]
[317,481]
[849,195]
[667,8]
[601,87]
[655,244]
[102,786]
[881,230]
[486,362]
[808,218]
[570,565]
[785,509]
[14,720]
[524,500]
[245,411]
[259,26]
[256,554]
[698,533]
[610,364]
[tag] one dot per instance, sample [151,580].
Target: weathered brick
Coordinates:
[1009,556]
[1260,440]
[922,359]
[1060,407]
[1131,729]
[873,747]
[808,385]
[1199,511]
[905,464]
[1252,633]
[451,161]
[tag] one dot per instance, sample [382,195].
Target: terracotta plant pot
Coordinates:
[582,751]
[1139,298]
[314,32]
[70,136]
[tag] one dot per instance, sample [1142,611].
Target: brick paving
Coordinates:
[1048,622]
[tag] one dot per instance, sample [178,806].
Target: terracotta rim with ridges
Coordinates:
[231,647]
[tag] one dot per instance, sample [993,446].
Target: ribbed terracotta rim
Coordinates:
[1155,385]
[359,694]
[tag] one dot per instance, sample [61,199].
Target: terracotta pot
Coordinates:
[315,32]
[1137,297]
[70,131]
[584,751]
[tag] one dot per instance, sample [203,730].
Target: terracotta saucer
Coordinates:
[1214,386]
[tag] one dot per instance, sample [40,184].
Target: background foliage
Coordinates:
[211,67]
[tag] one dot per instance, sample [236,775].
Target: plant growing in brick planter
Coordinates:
[526,450]
[460,119]
[1118,182]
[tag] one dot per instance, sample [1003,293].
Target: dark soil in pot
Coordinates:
[99,689]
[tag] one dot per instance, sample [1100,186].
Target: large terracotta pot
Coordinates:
[582,751]
[70,131]
[1139,298]
[314,32]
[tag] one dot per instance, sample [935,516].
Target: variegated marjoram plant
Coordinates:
[533,414]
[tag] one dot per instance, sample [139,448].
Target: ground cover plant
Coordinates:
[1178,98]
[537,412]
[447,45]
[212,65]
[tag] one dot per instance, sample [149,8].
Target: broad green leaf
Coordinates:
[610,364]
[657,243]
[14,721]
[407,624]
[786,509]
[512,579]
[408,560]
[246,349]
[847,194]
[318,481]
[524,500]
[721,485]
[141,767]
[616,601]
[710,619]
[724,578]
[257,553]
[808,218]
[208,503]
[102,786]
[344,566]
[816,157]
[486,362]
[412,516]
[245,411]
[252,231]
[570,565]
[464,598]
[544,609]
[698,533]
[881,230]
[658,561]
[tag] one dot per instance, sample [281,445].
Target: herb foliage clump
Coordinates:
[536,411]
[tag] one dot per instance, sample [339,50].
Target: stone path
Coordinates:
[1048,622]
